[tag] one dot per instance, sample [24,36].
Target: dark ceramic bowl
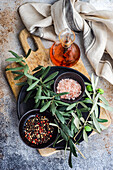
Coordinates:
[74,76]
[30,114]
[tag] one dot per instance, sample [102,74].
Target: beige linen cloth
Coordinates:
[47,21]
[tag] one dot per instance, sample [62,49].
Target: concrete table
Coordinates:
[14,154]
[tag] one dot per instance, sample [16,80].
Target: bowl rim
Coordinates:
[83,87]
[27,115]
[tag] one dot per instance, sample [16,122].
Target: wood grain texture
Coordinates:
[41,57]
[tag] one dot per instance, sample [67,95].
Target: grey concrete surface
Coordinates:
[14,154]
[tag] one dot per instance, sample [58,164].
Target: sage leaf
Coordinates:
[75,130]
[28,53]
[42,102]
[87,93]
[73,114]
[65,149]
[33,85]
[83,104]
[64,135]
[102,127]
[53,108]
[53,124]
[27,96]
[56,140]
[67,118]
[72,147]
[37,104]
[66,130]
[82,119]
[96,111]
[96,124]
[86,83]
[96,82]
[62,103]
[45,106]
[43,97]
[53,75]
[86,101]
[21,64]
[94,103]
[29,81]
[79,112]
[45,72]
[62,108]
[77,122]
[84,109]
[14,69]
[90,122]
[72,125]
[60,117]
[93,83]
[26,68]
[37,68]
[71,106]
[66,114]
[103,100]
[61,94]
[21,83]
[31,77]
[106,107]
[18,77]
[70,160]
[39,73]
[14,54]
[70,112]
[14,59]
[19,60]
[17,72]
[85,137]
[45,92]
[49,83]
[102,120]
[39,91]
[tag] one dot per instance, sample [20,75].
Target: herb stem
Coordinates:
[80,152]
[83,125]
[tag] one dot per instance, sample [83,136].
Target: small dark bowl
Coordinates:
[74,76]
[30,114]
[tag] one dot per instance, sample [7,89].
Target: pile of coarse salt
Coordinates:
[71,86]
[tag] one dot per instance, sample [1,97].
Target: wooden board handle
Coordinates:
[24,35]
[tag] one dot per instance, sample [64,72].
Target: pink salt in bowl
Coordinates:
[72,83]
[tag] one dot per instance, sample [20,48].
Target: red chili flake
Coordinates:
[50,136]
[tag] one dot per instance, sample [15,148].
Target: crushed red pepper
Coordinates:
[37,130]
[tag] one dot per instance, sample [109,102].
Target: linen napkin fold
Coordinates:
[45,20]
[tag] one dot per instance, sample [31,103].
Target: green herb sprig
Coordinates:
[67,117]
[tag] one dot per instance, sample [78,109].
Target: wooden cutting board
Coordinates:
[41,57]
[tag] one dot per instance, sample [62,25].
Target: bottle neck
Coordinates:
[66,40]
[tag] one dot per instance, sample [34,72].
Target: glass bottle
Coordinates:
[65,52]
